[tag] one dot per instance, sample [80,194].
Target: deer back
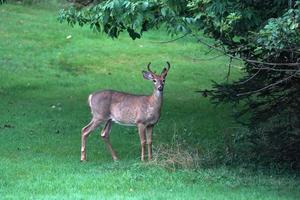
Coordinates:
[124,108]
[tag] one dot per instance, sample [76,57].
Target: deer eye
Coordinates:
[154,81]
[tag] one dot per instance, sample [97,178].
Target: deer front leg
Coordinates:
[142,134]
[149,141]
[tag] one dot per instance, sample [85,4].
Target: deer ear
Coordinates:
[147,75]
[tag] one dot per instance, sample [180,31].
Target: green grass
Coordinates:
[45,79]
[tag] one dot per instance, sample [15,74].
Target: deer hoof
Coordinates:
[83,159]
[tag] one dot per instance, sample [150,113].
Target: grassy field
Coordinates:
[45,79]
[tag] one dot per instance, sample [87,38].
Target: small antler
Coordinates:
[148,66]
[168,65]
[165,70]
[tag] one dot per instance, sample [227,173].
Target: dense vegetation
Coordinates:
[264,35]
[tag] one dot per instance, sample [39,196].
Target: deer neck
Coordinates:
[156,98]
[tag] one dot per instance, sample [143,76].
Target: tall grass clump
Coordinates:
[176,155]
[189,149]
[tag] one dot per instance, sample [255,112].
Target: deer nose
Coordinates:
[160,88]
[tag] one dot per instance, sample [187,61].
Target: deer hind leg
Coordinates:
[105,136]
[85,132]
[142,134]
[149,141]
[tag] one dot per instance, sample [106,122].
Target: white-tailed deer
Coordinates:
[109,106]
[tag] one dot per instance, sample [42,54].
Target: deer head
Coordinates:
[158,80]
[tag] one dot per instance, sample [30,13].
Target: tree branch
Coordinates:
[249,60]
[206,59]
[173,40]
[229,69]
[268,86]
[273,69]
[241,83]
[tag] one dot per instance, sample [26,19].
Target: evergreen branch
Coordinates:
[268,86]
[274,69]
[249,79]
[295,64]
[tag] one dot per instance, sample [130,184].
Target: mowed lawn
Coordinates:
[48,69]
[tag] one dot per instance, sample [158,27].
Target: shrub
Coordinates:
[252,147]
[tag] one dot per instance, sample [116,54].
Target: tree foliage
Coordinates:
[265,35]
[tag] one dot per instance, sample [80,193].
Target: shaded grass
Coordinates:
[45,79]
